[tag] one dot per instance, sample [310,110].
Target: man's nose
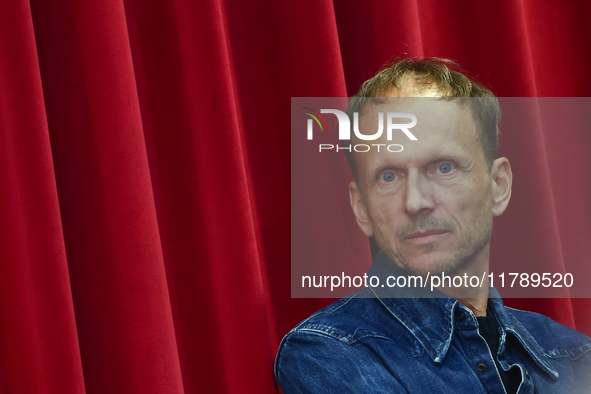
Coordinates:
[419,194]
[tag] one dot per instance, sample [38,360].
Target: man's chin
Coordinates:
[432,264]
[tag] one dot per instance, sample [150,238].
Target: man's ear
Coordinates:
[502,178]
[359,209]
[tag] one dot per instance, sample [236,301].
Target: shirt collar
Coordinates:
[510,324]
[429,316]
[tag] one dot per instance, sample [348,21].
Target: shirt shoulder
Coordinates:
[334,348]
[352,319]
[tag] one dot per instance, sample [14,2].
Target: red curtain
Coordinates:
[144,172]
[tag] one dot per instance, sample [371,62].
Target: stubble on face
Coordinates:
[478,237]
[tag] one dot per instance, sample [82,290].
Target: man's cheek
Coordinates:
[385,212]
[380,218]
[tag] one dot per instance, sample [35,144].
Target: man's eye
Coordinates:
[445,168]
[388,176]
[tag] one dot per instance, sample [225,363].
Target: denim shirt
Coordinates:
[370,342]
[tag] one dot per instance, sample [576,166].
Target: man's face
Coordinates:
[429,207]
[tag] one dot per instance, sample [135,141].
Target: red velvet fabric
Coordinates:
[144,172]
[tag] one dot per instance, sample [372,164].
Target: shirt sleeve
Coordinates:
[313,362]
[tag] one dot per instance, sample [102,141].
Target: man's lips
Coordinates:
[425,237]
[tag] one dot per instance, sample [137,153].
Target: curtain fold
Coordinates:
[121,298]
[145,173]
[38,340]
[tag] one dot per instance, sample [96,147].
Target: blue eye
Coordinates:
[388,176]
[445,168]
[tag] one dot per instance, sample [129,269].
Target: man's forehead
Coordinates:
[445,129]
[390,104]
[433,114]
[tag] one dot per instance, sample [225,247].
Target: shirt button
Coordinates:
[481,366]
[527,373]
[460,316]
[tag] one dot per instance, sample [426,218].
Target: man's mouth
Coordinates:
[425,237]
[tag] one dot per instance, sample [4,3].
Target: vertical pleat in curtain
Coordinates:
[38,337]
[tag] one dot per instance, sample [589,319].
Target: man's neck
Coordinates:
[476,305]
[474,298]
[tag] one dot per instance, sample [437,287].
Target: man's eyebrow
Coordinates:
[461,160]
[443,158]
[388,166]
